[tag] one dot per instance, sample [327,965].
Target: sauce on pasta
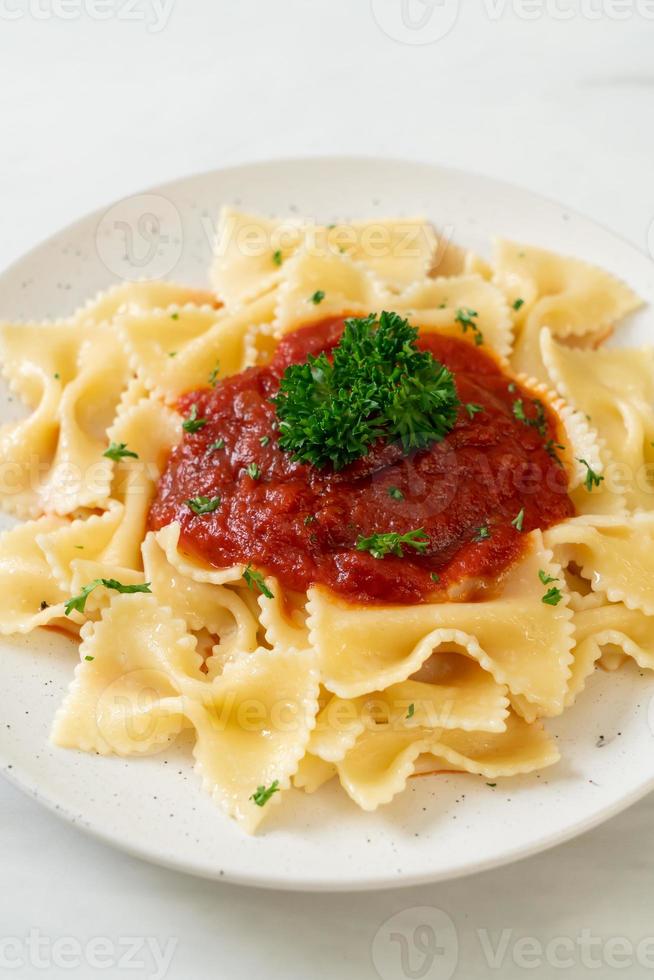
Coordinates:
[495,477]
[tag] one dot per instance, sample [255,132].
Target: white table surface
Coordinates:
[92,110]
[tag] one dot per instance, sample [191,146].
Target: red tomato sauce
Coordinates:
[302,524]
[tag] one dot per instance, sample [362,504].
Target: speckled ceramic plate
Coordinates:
[442,826]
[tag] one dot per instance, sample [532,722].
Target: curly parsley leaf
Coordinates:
[192,423]
[593,479]
[203,505]
[78,602]
[255,580]
[264,793]
[377,385]
[118,451]
[380,545]
[466,317]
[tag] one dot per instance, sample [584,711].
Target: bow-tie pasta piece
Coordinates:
[84,537]
[150,431]
[461,306]
[453,692]
[615,389]
[125,698]
[575,300]
[367,648]
[30,595]
[615,555]
[315,287]
[203,606]
[382,760]
[253,725]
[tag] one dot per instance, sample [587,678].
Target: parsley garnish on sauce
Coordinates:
[466,319]
[483,534]
[380,545]
[254,580]
[192,423]
[593,479]
[377,385]
[203,505]
[473,409]
[263,793]
[218,444]
[264,440]
[395,493]
[118,451]
[519,519]
[538,422]
[253,471]
[78,602]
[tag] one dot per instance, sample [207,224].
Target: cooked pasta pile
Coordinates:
[280,688]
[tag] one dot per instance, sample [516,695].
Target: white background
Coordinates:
[556,96]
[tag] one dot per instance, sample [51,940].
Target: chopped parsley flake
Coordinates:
[538,422]
[203,505]
[473,409]
[172,353]
[435,577]
[395,493]
[593,479]
[551,449]
[309,519]
[518,303]
[552,597]
[118,451]
[192,423]
[483,533]
[519,519]
[380,545]
[377,385]
[317,297]
[89,658]
[277,257]
[78,602]
[411,711]
[465,317]
[253,470]
[545,578]
[218,444]
[512,387]
[264,440]
[213,377]
[56,376]
[255,579]
[263,793]
[174,316]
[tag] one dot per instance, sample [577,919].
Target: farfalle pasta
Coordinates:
[366,506]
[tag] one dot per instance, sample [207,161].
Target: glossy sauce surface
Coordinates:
[302,524]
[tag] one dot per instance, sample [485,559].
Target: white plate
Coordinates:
[443,826]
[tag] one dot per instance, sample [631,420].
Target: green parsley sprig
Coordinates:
[380,545]
[264,793]
[255,580]
[192,423]
[78,602]
[377,385]
[593,479]
[466,318]
[204,505]
[118,451]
